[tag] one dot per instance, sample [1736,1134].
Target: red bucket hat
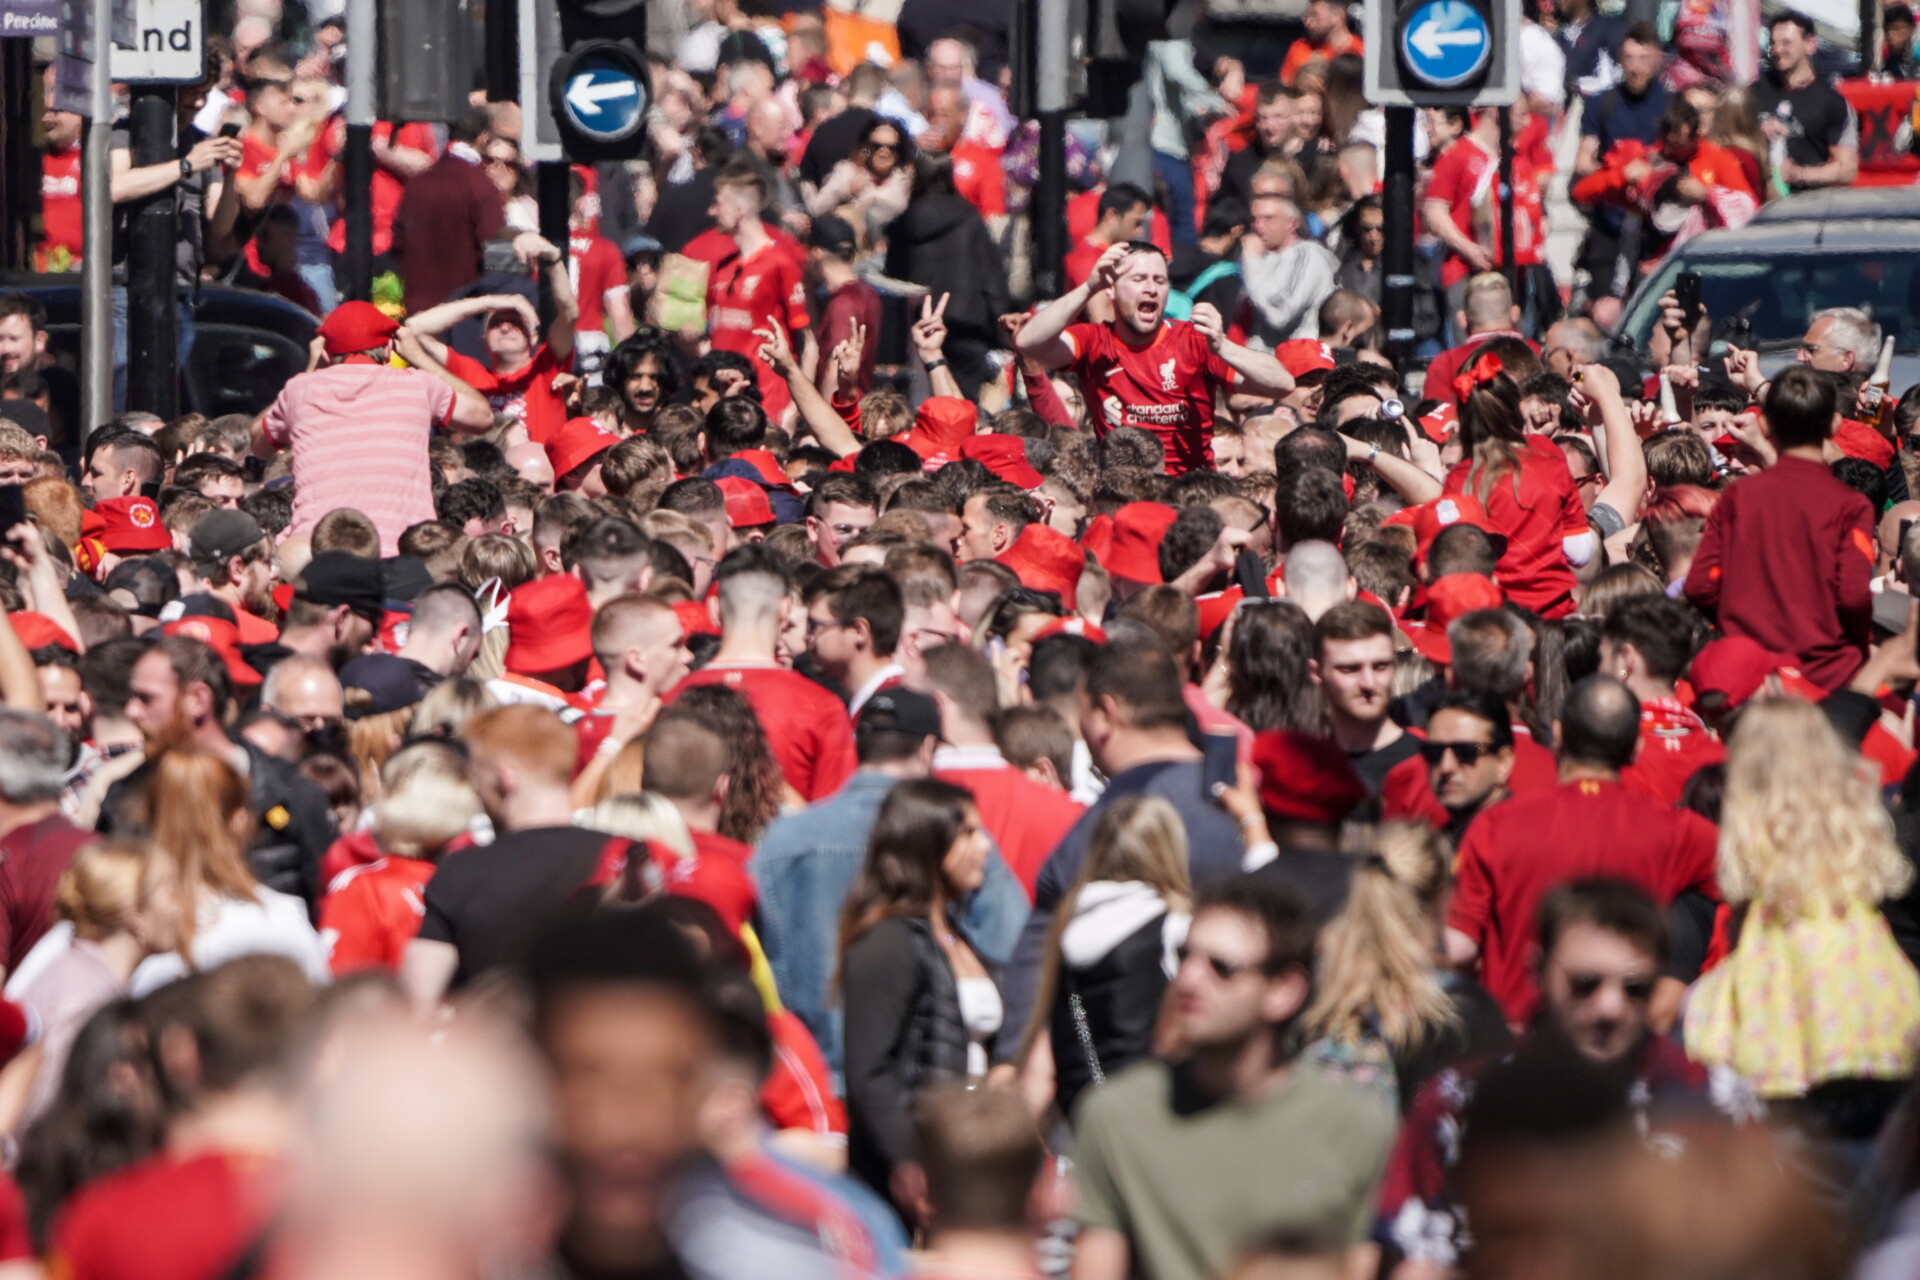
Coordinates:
[223,638]
[1046,560]
[549,625]
[577,441]
[1137,530]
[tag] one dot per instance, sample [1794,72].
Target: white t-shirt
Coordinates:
[272,923]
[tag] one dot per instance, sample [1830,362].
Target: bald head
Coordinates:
[529,462]
[1317,578]
[305,689]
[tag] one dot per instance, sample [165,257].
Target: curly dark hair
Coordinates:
[753,798]
[1268,686]
[645,341]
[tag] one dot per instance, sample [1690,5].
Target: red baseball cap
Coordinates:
[353,327]
[1304,357]
[37,631]
[1429,518]
[1448,598]
[1046,560]
[549,625]
[223,637]
[578,440]
[1305,777]
[132,524]
[1006,457]
[1135,550]
[747,504]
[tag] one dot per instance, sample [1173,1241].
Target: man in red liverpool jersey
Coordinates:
[1143,370]
[759,285]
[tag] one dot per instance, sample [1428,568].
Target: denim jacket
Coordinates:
[804,867]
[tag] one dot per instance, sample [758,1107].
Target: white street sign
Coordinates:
[170,44]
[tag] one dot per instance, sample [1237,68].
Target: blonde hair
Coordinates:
[106,882]
[1136,838]
[1376,958]
[1803,827]
[642,816]
[428,801]
[444,712]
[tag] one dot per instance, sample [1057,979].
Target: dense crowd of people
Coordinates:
[747,743]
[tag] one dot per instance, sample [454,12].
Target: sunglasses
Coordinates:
[1225,970]
[1584,986]
[1467,753]
[890,148]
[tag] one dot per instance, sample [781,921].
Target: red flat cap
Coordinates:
[353,327]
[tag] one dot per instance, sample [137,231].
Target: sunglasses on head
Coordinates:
[1584,986]
[1467,753]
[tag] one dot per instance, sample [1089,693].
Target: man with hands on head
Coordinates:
[1142,369]
[518,374]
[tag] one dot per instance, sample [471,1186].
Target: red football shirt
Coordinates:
[60,210]
[1464,177]
[165,1218]
[1165,387]
[370,913]
[1534,508]
[597,269]
[1674,745]
[388,186]
[1024,818]
[716,874]
[526,394]
[806,726]
[763,291]
[1518,850]
[798,1091]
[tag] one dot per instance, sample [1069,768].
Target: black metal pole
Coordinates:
[357,266]
[552,183]
[1869,36]
[1506,202]
[153,239]
[1049,211]
[1396,259]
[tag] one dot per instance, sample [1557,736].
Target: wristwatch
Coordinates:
[186,168]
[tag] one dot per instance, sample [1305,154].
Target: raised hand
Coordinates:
[930,330]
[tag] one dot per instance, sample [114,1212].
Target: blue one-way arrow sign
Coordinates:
[603,97]
[1445,43]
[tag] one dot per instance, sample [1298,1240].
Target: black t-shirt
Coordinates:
[493,902]
[833,142]
[1373,766]
[1818,119]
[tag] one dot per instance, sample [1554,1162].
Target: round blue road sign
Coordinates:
[1445,43]
[604,95]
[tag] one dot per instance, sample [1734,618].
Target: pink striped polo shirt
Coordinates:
[358,437]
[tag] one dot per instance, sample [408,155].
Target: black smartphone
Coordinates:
[1250,575]
[13,508]
[1220,763]
[1686,292]
[231,129]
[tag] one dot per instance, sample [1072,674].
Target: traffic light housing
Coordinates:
[598,87]
[1442,53]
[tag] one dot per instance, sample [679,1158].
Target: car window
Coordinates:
[236,370]
[1776,294]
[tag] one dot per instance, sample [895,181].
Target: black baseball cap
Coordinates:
[222,533]
[901,711]
[151,584]
[835,235]
[340,577]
